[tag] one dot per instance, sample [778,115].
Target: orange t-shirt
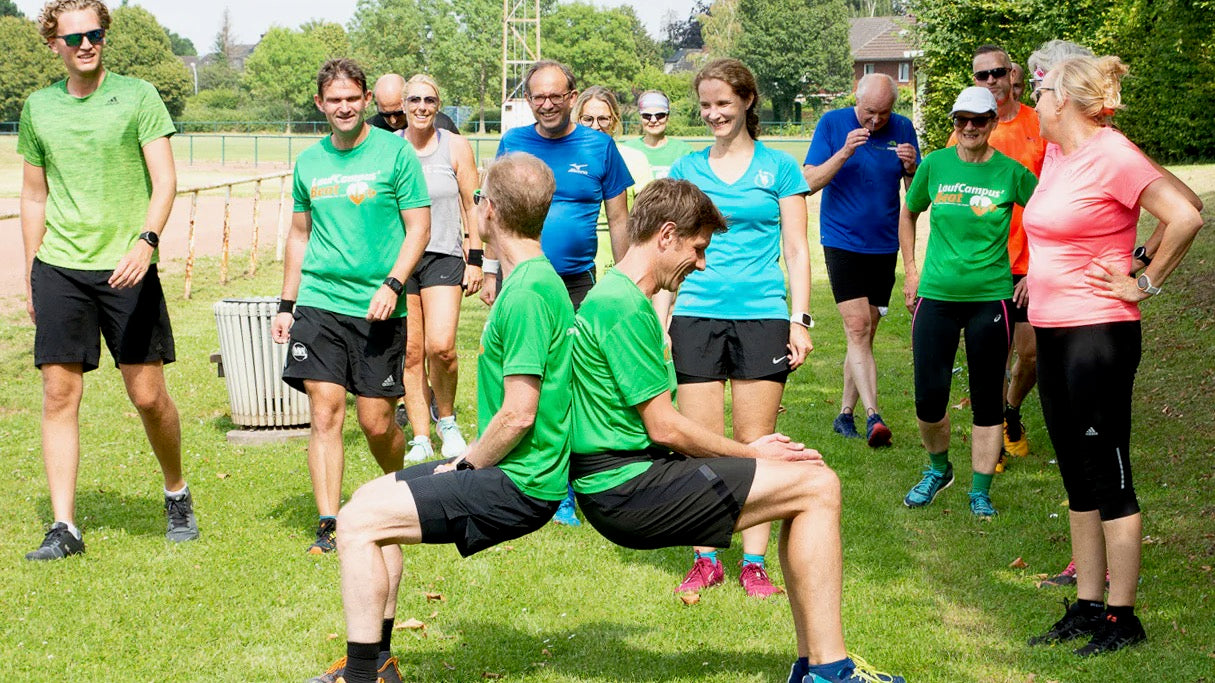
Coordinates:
[1021,140]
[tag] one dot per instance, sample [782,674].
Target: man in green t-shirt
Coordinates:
[511,480]
[361,222]
[97,188]
[647,477]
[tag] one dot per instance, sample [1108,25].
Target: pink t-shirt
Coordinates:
[1086,206]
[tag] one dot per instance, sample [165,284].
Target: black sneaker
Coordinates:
[326,538]
[1114,634]
[1076,623]
[182,525]
[58,543]
[386,665]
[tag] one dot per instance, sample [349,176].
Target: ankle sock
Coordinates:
[361,661]
[1091,607]
[444,421]
[832,670]
[71,527]
[179,494]
[386,636]
[1120,613]
[980,483]
[711,555]
[798,671]
[748,558]
[940,462]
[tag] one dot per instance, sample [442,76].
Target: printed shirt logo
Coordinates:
[981,200]
[981,205]
[388,381]
[580,169]
[299,351]
[357,192]
[356,188]
[764,179]
[113,100]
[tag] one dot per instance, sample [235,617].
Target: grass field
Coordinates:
[928,593]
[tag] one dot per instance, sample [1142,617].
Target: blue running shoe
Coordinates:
[566,514]
[980,504]
[856,670]
[926,491]
[798,672]
[845,426]
[877,432]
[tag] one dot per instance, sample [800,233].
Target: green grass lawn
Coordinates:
[928,593]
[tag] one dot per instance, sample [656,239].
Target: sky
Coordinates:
[199,21]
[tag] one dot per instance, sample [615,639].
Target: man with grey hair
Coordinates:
[857,157]
[512,478]
[390,106]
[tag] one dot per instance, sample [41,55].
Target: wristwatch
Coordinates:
[151,238]
[803,319]
[464,464]
[1145,285]
[1140,254]
[394,284]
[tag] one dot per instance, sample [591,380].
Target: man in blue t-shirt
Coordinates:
[589,172]
[857,157]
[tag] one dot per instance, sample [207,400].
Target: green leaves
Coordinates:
[283,69]
[137,45]
[25,65]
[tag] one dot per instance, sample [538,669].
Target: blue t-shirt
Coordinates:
[860,206]
[742,279]
[588,169]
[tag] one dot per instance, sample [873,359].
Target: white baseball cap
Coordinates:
[975,100]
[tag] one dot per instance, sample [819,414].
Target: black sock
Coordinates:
[1091,607]
[360,662]
[386,636]
[1012,418]
[1121,613]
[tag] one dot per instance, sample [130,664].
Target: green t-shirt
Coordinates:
[356,197]
[529,332]
[620,361]
[91,149]
[661,158]
[967,256]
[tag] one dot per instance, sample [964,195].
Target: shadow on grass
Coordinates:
[296,512]
[141,515]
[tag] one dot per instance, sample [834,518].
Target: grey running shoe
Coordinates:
[182,525]
[58,543]
[326,537]
[387,671]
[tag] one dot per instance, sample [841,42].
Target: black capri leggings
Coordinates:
[935,327]
[1086,376]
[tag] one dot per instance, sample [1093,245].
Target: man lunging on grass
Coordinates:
[647,477]
[97,188]
[511,480]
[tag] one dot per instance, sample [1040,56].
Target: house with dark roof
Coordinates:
[883,45]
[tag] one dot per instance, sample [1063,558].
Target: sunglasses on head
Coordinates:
[418,99]
[95,36]
[656,116]
[960,121]
[998,72]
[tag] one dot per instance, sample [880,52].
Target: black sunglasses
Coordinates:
[656,116]
[417,99]
[960,121]
[998,72]
[95,36]
[387,114]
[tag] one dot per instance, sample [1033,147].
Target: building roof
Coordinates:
[880,38]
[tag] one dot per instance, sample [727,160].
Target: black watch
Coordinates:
[1140,254]
[394,284]
[151,238]
[465,465]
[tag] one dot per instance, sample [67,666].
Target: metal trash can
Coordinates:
[252,365]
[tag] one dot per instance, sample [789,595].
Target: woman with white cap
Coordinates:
[655,110]
[964,287]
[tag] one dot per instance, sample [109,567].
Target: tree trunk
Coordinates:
[481,101]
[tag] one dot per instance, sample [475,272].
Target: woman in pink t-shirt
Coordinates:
[1081,224]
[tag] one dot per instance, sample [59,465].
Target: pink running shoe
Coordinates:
[703,574]
[755,581]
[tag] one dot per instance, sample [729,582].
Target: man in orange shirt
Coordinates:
[1017,136]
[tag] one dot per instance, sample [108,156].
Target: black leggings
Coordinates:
[1086,376]
[935,327]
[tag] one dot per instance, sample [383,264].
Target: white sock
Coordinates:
[71,527]
[177,495]
[444,421]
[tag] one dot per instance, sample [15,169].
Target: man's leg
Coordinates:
[385,439]
[860,369]
[416,408]
[1022,377]
[62,388]
[325,455]
[145,384]
[441,308]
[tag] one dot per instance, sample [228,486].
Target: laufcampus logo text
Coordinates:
[357,188]
[981,200]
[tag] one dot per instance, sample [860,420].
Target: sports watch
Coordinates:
[803,319]
[1144,283]
[151,238]
[1140,254]
[464,464]
[394,284]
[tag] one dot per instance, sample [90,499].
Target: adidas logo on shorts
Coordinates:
[1091,432]
[388,381]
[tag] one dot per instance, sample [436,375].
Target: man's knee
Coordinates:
[376,425]
[61,394]
[148,397]
[819,486]
[858,327]
[442,352]
[326,415]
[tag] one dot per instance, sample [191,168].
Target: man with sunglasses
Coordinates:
[389,94]
[97,189]
[1016,136]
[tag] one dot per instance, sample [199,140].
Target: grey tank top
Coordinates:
[446,233]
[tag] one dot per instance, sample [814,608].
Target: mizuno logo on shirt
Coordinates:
[580,169]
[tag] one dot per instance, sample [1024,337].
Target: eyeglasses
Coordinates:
[656,116]
[998,72]
[539,100]
[960,122]
[390,114]
[478,197]
[418,99]
[95,36]
[588,120]
[1037,94]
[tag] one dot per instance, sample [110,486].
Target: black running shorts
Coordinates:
[854,275]
[473,509]
[435,270]
[1018,314]
[72,306]
[712,349]
[368,358]
[678,501]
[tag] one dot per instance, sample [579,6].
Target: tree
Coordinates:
[480,34]
[181,46]
[684,33]
[25,64]
[218,73]
[283,70]
[8,8]
[391,36]
[720,28]
[598,45]
[650,51]
[137,45]
[794,47]
[330,35]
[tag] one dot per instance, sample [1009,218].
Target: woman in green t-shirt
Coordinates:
[964,287]
[654,107]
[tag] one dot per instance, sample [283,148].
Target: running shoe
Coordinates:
[58,543]
[419,449]
[326,537]
[754,580]
[1065,578]
[926,491]
[387,671]
[877,432]
[567,512]
[449,434]
[703,574]
[845,426]
[1076,623]
[980,504]
[1114,634]
[856,671]
[1016,444]
[182,525]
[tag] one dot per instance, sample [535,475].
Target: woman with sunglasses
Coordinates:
[655,111]
[432,292]
[965,287]
[597,108]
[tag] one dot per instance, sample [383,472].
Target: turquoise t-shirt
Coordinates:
[356,197]
[742,279]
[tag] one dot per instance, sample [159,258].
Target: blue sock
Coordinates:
[832,670]
[325,517]
[711,555]
[748,558]
[799,670]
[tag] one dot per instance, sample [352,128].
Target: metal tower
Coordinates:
[520,49]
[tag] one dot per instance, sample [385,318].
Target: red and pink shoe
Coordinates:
[704,573]
[754,580]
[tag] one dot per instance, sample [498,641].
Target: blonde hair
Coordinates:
[425,79]
[1093,84]
[48,18]
[598,92]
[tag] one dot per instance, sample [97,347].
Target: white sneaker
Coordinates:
[453,442]
[419,450]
